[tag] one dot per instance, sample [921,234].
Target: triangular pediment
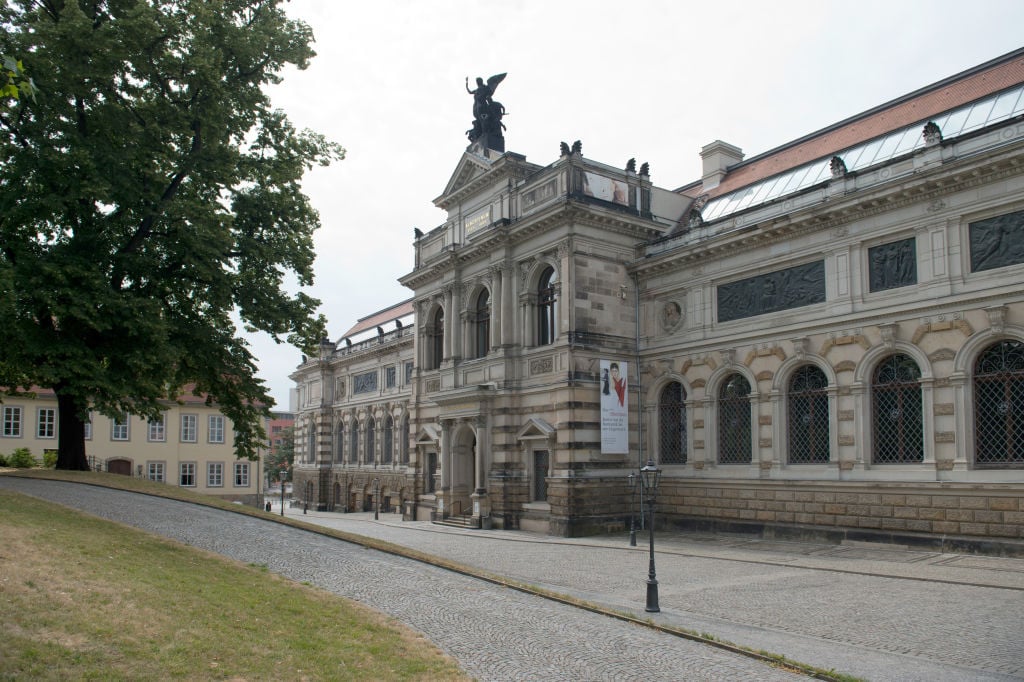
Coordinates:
[535,428]
[428,435]
[471,167]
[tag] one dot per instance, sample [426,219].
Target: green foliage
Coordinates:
[150,197]
[3,460]
[49,459]
[22,458]
[281,456]
[14,82]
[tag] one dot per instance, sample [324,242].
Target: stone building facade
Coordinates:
[824,338]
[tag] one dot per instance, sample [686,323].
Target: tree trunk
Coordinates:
[70,435]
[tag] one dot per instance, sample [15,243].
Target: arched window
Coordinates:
[481,321]
[672,424]
[389,440]
[808,416]
[435,340]
[734,421]
[370,443]
[404,444]
[546,308]
[339,456]
[999,406]
[353,450]
[311,452]
[896,409]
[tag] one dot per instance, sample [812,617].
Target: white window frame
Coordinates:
[187,469]
[13,421]
[189,428]
[156,471]
[215,428]
[157,431]
[87,426]
[241,474]
[120,428]
[214,474]
[46,422]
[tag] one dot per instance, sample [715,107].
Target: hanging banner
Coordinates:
[614,388]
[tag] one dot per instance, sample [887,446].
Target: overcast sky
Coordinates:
[651,80]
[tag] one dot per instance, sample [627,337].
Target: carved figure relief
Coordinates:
[670,316]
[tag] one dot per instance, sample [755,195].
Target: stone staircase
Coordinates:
[466,521]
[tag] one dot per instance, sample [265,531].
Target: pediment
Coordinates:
[535,428]
[428,435]
[471,167]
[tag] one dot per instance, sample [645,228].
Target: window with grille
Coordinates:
[370,440]
[155,471]
[12,422]
[546,308]
[46,423]
[896,403]
[482,324]
[189,428]
[157,430]
[241,474]
[734,421]
[808,416]
[119,428]
[672,424]
[389,440]
[215,474]
[187,474]
[999,406]
[215,428]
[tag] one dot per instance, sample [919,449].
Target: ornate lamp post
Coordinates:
[376,499]
[650,476]
[632,510]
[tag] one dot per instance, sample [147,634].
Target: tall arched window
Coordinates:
[999,406]
[435,340]
[404,444]
[734,421]
[353,450]
[672,424]
[481,321]
[546,308]
[311,452]
[808,416]
[339,456]
[370,442]
[389,440]
[896,409]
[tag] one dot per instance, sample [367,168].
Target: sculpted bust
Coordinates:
[671,315]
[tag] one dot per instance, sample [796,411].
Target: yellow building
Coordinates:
[191,446]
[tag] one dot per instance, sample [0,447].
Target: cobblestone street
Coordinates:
[877,613]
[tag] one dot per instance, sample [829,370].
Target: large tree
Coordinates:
[149,197]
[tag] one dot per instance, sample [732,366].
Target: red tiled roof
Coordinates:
[912,108]
[403,309]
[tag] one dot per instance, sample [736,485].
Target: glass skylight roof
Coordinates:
[953,123]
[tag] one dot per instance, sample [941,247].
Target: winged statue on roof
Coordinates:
[487,113]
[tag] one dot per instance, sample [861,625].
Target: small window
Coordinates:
[216,428]
[119,428]
[215,474]
[187,478]
[188,428]
[12,422]
[88,427]
[390,377]
[157,430]
[241,474]
[546,309]
[481,320]
[408,373]
[46,425]
[155,471]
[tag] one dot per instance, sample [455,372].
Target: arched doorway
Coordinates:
[463,474]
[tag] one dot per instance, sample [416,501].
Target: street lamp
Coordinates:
[376,499]
[650,476]
[632,510]
[284,474]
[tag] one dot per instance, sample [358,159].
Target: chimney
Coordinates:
[718,157]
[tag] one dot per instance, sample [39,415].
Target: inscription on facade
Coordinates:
[478,220]
[771,292]
[540,194]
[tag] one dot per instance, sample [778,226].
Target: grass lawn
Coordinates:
[86,599]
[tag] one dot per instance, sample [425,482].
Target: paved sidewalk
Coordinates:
[874,611]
